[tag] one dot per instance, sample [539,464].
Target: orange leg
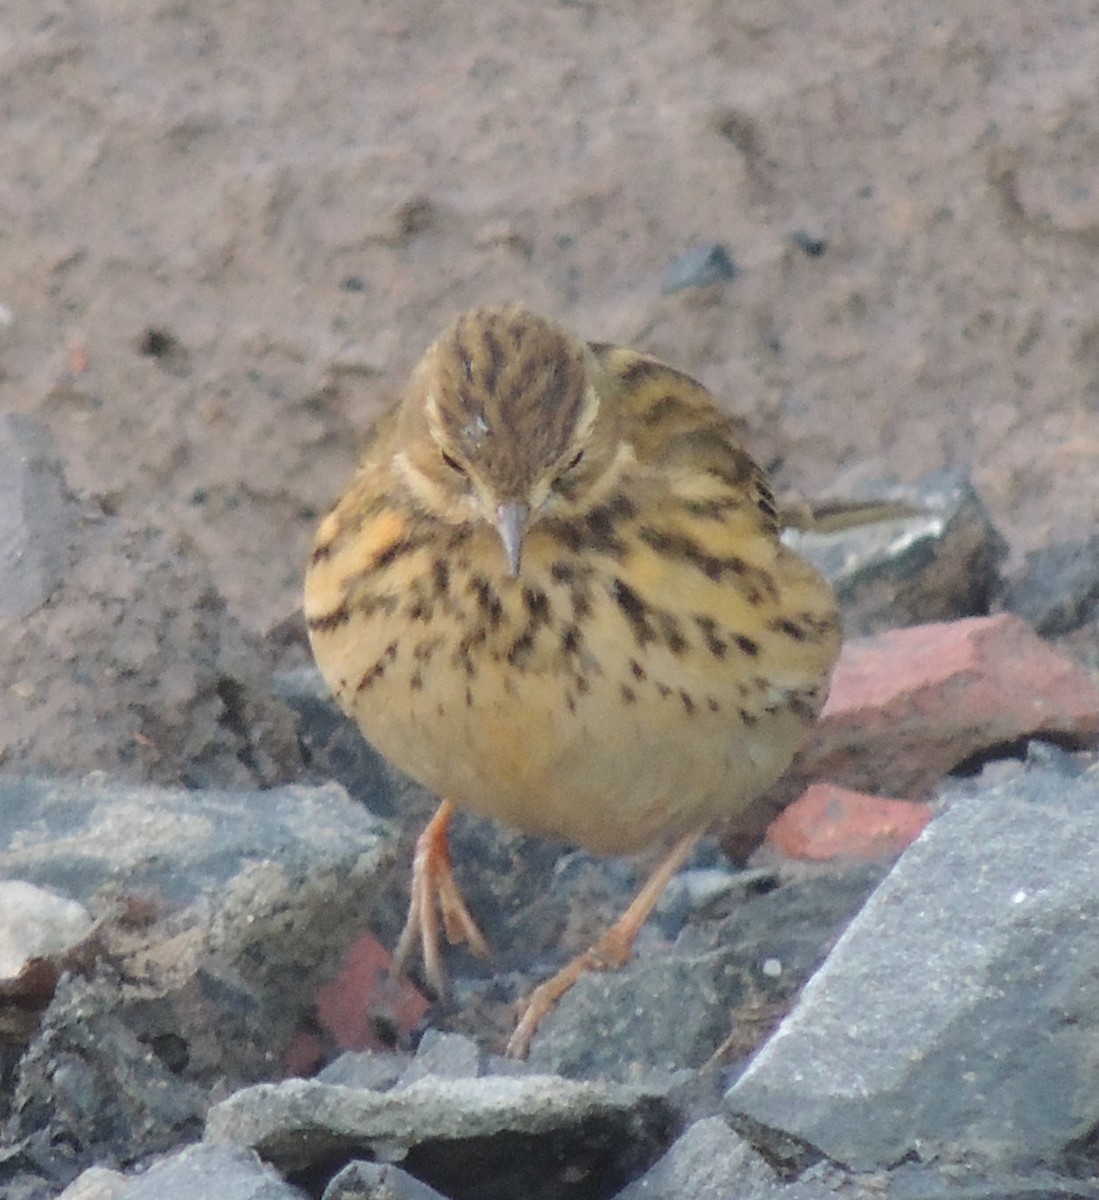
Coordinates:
[434,891]
[609,953]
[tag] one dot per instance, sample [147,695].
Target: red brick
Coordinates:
[827,821]
[908,706]
[365,999]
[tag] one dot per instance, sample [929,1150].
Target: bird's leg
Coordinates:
[434,891]
[609,953]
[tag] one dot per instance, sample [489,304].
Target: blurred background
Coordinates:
[227,231]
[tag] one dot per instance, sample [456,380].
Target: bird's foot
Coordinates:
[435,891]
[608,954]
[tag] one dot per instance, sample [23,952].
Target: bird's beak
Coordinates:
[511,524]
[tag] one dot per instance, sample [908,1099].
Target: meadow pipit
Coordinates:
[555,593]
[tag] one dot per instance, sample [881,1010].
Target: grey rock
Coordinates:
[90,1090]
[700,266]
[260,886]
[537,1136]
[334,747]
[933,1181]
[935,563]
[35,925]
[137,667]
[220,912]
[661,1013]
[377,1181]
[720,986]
[707,1162]
[916,1181]
[202,1172]
[376,1072]
[37,516]
[445,1056]
[1058,589]
[34,1170]
[243,854]
[956,1016]
[96,1183]
[441,1055]
[700,888]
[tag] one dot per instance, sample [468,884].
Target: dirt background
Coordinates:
[227,231]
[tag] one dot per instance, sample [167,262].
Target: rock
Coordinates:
[937,560]
[137,667]
[535,1136]
[249,865]
[1058,589]
[712,1162]
[202,1171]
[413,216]
[439,1055]
[366,1070]
[335,749]
[909,706]
[506,234]
[916,1181]
[701,266]
[218,913]
[708,1161]
[445,1056]
[954,1019]
[36,925]
[1046,184]
[716,991]
[161,343]
[827,821]
[92,1089]
[698,892]
[96,1183]
[623,1023]
[377,1181]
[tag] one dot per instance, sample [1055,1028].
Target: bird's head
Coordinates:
[504,424]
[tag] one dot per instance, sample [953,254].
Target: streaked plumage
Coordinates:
[555,592]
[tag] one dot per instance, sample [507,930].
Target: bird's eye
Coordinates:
[575,461]
[453,464]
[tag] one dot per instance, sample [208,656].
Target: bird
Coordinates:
[556,594]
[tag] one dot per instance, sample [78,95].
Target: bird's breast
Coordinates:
[608,695]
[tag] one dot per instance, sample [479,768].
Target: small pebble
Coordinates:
[702,265]
[37,924]
[814,247]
